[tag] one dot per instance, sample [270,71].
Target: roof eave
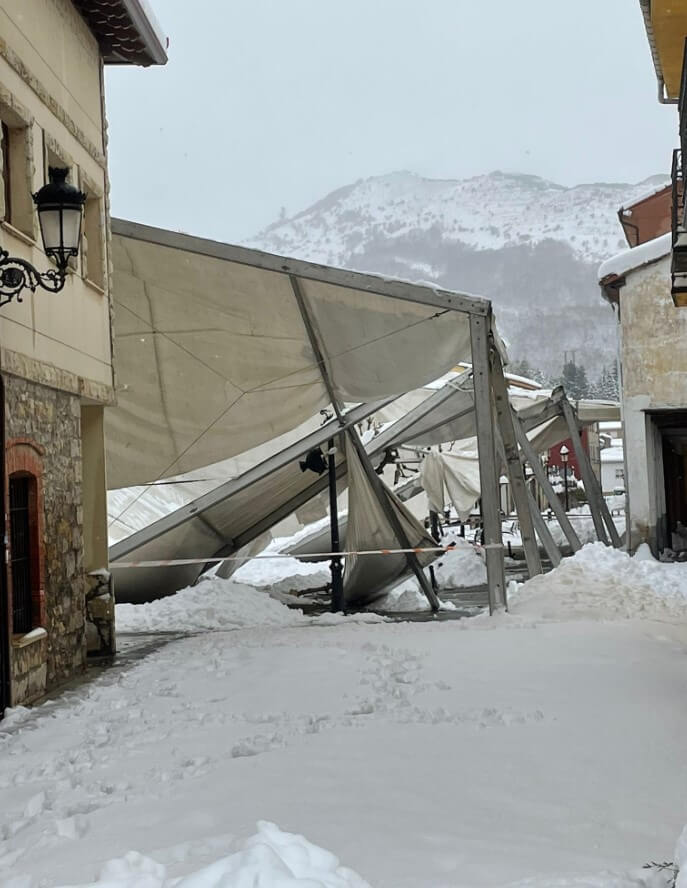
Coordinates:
[663,97]
[143,19]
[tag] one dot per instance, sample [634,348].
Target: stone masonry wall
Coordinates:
[52,419]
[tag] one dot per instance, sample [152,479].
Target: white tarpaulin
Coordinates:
[365,577]
[214,358]
[454,475]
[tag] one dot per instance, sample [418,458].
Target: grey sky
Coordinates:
[271,103]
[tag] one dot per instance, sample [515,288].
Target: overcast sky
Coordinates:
[271,103]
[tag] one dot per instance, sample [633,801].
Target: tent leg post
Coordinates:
[335,565]
[543,532]
[514,464]
[480,327]
[540,474]
[379,489]
[597,503]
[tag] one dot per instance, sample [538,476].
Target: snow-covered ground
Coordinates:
[544,747]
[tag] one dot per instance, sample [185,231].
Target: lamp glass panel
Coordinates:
[50,229]
[71,227]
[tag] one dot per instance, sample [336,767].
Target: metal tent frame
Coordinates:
[498,430]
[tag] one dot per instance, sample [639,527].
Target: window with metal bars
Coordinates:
[20,538]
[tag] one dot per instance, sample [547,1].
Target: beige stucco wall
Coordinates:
[653,350]
[654,338]
[50,72]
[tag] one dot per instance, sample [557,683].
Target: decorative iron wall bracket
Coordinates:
[18,274]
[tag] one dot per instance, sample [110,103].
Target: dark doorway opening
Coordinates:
[671,493]
[5,615]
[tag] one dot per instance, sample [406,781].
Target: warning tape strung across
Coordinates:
[180,562]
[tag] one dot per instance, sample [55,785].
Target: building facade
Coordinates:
[56,357]
[647,286]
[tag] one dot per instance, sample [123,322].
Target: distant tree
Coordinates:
[574,381]
[282,214]
[606,386]
[524,368]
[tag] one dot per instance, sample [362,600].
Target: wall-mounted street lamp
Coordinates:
[564,459]
[60,211]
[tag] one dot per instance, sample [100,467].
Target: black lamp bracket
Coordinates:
[18,274]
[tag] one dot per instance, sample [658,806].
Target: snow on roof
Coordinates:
[610,424]
[645,196]
[635,257]
[612,454]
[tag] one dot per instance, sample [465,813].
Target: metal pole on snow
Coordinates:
[335,564]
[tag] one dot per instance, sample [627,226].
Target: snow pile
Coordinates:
[270,858]
[602,582]
[461,566]
[211,604]
[583,523]
[284,574]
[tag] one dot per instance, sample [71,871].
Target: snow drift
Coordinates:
[271,859]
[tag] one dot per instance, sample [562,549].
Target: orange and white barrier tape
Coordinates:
[181,562]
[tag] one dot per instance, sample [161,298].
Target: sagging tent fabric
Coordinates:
[224,520]
[453,474]
[366,577]
[214,358]
[447,415]
[229,517]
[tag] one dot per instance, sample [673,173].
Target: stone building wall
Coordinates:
[51,420]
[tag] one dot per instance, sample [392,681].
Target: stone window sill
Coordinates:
[20,641]
[92,284]
[18,233]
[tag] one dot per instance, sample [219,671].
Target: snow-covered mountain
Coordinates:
[530,245]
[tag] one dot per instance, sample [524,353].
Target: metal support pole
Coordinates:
[542,477]
[597,503]
[543,532]
[434,525]
[488,472]
[514,465]
[336,566]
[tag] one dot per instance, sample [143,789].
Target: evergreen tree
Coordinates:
[606,387]
[524,368]
[574,381]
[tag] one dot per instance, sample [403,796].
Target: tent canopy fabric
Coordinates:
[234,513]
[214,358]
[367,527]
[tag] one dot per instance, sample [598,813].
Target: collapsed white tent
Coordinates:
[214,356]
[447,415]
[221,349]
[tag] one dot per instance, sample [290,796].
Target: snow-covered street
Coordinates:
[545,744]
